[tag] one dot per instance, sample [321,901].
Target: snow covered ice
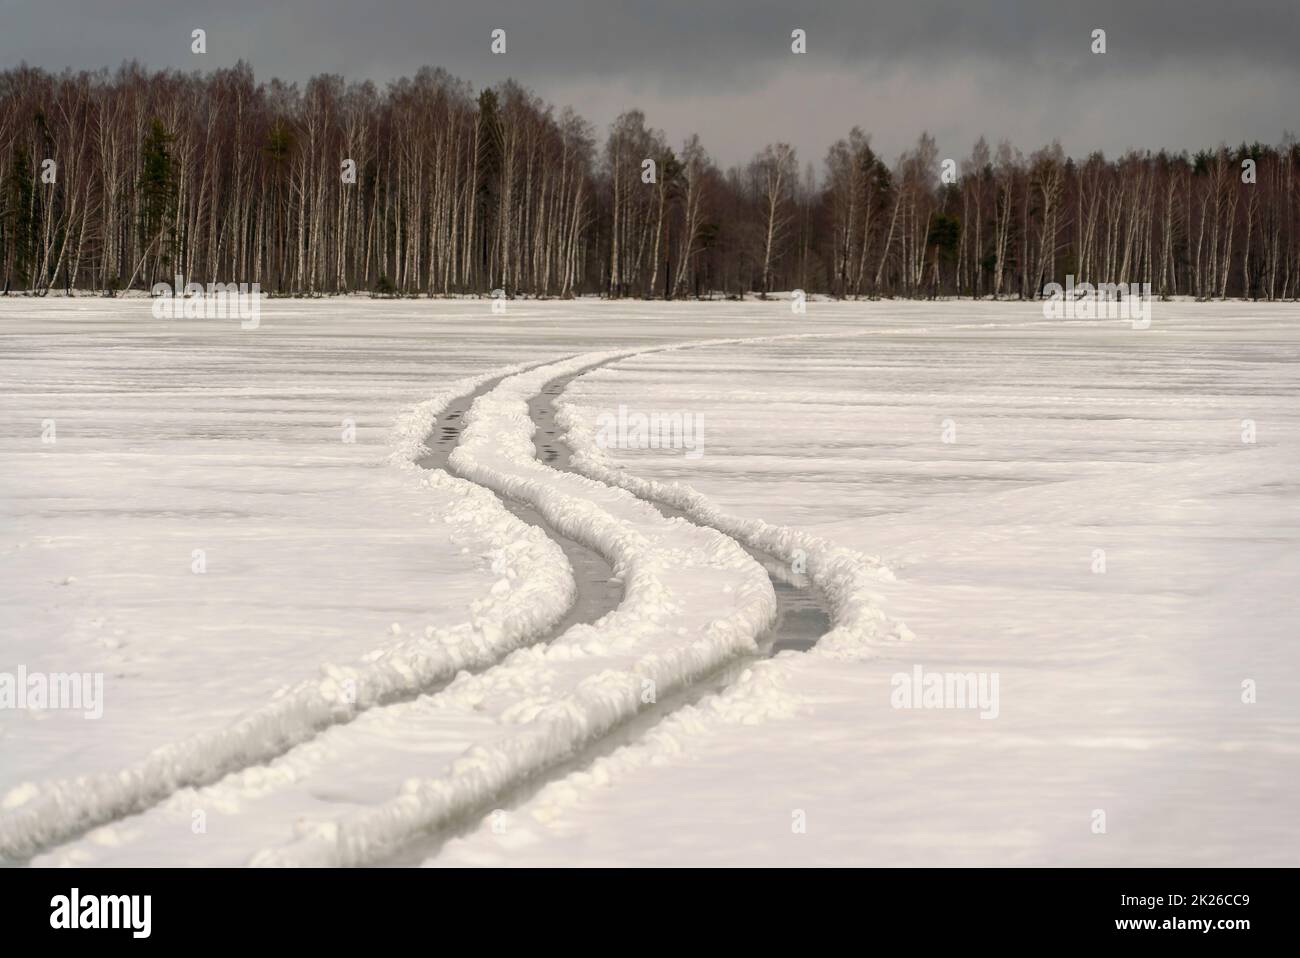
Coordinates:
[314,651]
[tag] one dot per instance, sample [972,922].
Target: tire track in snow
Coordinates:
[550,727]
[578,725]
[800,621]
[802,617]
[746,689]
[598,589]
[694,600]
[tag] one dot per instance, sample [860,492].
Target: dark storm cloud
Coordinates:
[1182,74]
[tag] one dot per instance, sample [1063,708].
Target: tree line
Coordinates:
[116,180]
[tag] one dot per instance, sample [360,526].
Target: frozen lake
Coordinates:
[312,650]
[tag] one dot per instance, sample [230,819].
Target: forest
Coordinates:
[112,180]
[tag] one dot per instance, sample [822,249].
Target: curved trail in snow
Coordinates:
[598,589]
[694,601]
[676,637]
[801,618]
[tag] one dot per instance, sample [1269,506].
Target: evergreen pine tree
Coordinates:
[157,192]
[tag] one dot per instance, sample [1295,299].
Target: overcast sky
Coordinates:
[1177,74]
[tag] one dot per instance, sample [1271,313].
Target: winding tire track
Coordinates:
[801,614]
[598,589]
[794,598]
